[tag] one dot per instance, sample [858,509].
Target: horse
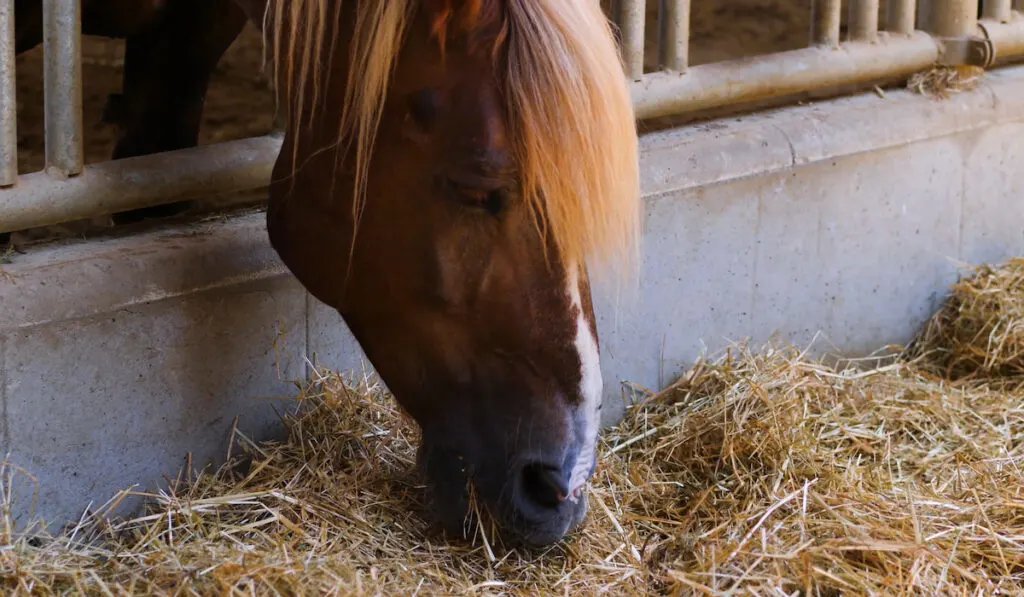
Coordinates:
[453,174]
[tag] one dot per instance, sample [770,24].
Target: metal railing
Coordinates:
[65,190]
[916,36]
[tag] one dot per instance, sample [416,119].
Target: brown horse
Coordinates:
[449,170]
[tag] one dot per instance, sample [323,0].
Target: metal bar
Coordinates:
[900,16]
[1007,37]
[825,17]
[8,98]
[997,10]
[130,183]
[863,20]
[62,84]
[781,74]
[675,43]
[924,9]
[952,18]
[631,19]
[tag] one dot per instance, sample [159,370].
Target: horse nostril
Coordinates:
[544,485]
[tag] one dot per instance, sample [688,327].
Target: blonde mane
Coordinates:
[569,106]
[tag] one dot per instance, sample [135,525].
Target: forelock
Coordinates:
[481,24]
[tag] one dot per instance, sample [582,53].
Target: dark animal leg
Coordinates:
[167,71]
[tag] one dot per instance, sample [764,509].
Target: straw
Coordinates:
[760,472]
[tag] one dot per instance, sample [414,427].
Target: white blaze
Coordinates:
[591,387]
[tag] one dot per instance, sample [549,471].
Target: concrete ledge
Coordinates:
[119,356]
[76,280]
[756,145]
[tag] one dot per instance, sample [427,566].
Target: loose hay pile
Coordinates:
[941,82]
[979,332]
[761,472]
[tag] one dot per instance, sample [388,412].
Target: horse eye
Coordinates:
[424,106]
[494,202]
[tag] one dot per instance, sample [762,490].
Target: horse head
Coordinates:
[450,168]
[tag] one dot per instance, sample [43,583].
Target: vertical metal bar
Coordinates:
[952,18]
[825,22]
[864,20]
[675,41]
[924,9]
[998,10]
[62,84]
[8,98]
[631,18]
[900,16]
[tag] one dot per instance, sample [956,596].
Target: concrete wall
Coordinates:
[120,356]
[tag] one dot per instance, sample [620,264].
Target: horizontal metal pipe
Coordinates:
[864,20]
[131,183]
[632,17]
[900,16]
[997,10]
[8,99]
[675,44]
[784,73]
[825,19]
[1007,37]
[62,85]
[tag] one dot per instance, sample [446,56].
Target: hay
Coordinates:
[760,472]
[942,81]
[978,334]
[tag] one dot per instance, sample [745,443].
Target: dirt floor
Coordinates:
[240,103]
